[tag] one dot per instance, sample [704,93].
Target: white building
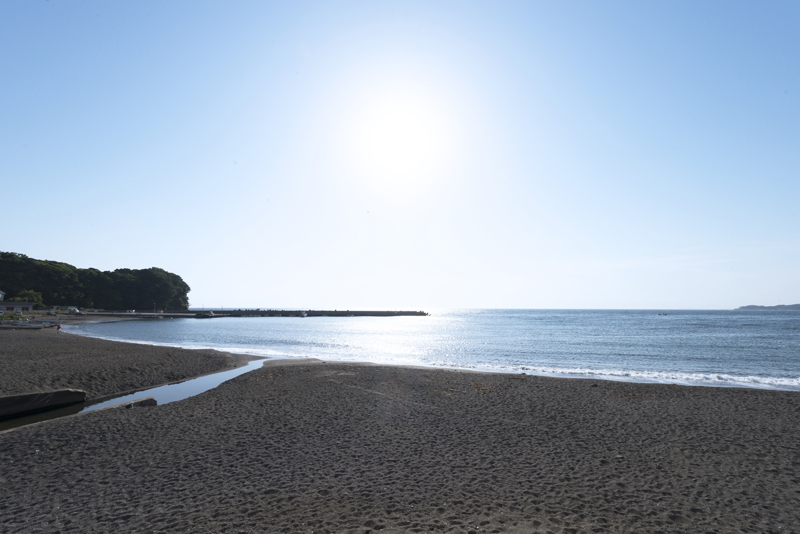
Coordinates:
[16,306]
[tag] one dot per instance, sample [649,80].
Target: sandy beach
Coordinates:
[308,446]
[44,360]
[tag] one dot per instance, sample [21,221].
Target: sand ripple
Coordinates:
[321,447]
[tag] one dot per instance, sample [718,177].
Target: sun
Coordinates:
[399,141]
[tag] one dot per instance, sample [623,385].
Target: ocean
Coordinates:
[709,348]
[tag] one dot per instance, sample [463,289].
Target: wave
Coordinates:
[624,375]
[660,377]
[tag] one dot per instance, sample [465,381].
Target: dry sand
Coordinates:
[325,447]
[44,360]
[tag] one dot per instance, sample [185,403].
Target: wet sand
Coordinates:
[44,360]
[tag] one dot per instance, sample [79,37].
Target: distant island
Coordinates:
[780,307]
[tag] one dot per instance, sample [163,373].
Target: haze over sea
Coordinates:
[710,348]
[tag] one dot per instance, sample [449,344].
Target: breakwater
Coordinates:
[318,313]
[250,313]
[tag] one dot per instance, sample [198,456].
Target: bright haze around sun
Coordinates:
[410,155]
[399,142]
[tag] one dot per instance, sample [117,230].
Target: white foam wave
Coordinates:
[662,377]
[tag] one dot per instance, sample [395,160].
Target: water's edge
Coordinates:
[710,379]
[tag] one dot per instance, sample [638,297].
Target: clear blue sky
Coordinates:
[410,154]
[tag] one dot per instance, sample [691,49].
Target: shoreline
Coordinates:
[318,446]
[611,375]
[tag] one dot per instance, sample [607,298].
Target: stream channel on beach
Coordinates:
[701,348]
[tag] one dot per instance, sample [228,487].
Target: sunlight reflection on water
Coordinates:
[724,348]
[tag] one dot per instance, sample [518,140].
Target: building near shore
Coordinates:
[2,295]
[16,306]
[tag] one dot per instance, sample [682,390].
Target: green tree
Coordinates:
[27,295]
[62,284]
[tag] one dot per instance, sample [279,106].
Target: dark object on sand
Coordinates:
[30,403]
[147,401]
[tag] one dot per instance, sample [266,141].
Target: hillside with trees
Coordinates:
[779,307]
[53,283]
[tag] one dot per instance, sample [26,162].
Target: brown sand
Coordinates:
[322,447]
[44,360]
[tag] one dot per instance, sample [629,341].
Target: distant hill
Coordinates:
[783,307]
[55,283]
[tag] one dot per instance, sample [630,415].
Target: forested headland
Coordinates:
[53,283]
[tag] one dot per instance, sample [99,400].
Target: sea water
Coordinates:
[711,348]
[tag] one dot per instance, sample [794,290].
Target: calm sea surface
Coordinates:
[712,348]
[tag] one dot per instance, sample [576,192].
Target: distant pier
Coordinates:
[318,313]
[256,313]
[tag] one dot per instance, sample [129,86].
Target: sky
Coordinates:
[410,155]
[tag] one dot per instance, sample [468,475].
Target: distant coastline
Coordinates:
[779,307]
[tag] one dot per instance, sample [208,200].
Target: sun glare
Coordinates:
[399,142]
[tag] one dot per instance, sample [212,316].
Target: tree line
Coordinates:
[53,283]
